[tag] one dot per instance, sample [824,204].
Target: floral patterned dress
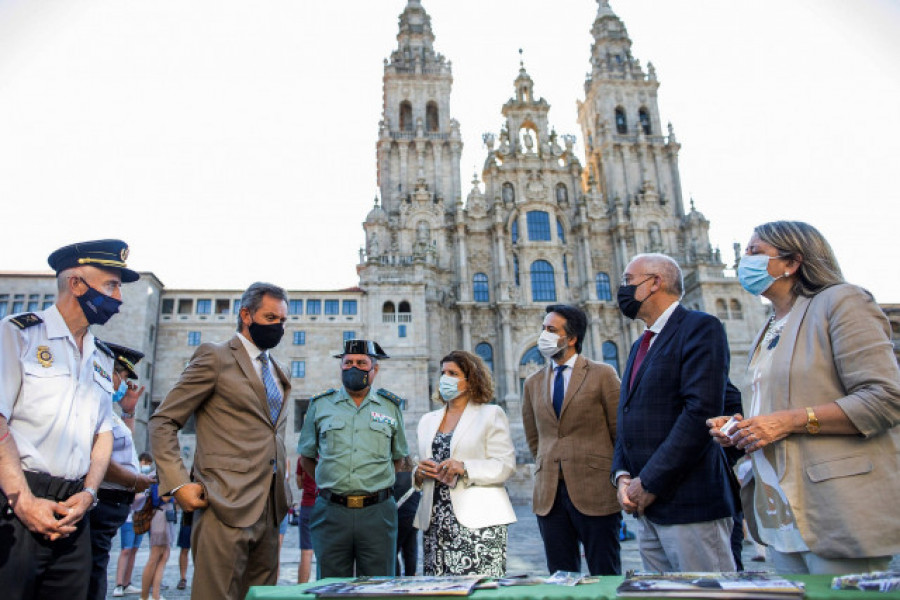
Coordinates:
[451,548]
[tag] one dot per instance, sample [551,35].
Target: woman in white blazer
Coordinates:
[467,454]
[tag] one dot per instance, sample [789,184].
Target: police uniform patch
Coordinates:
[390,396]
[44,356]
[26,320]
[102,372]
[322,394]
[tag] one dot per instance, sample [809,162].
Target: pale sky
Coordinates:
[234,141]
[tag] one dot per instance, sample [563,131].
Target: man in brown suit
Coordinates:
[236,393]
[569,414]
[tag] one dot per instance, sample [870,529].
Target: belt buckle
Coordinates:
[355,501]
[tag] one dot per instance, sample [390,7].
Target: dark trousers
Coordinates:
[32,568]
[737,540]
[106,518]
[564,527]
[354,541]
[407,545]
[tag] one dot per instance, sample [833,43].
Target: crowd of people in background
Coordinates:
[815,444]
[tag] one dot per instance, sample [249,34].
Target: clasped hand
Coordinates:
[750,434]
[53,520]
[446,472]
[632,496]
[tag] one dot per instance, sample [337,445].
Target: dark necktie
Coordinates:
[273,394]
[559,389]
[641,353]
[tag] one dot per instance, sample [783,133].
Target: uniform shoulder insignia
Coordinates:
[26,320]
[390,396]
[102,347]
[322,394]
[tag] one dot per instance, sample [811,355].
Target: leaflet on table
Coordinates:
[746,584]
[879,581]
[397,586]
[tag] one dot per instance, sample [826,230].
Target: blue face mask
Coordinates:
[753,273]
[98,308]
[120,393]
[448,387]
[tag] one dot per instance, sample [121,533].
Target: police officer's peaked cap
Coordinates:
[362,347]
[106,254]
[126,358]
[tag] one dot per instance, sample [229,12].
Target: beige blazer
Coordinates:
[482,441]
[843,489]
[579,443]
[238,447]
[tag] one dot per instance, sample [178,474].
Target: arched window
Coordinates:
[736,310]
[603,290]
[403,307]
[406,120]
[562,193]
[611,355]
[565,270]
[514,230]
[480,287]
[721,309]
[538,225]
[431,117]
[543,285]
[486,353]
[388,312]
[560,232]
[508,192]
[644,118]
[621,123]
[516,269]
[532,355]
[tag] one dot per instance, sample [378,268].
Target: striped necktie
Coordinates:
[273,394]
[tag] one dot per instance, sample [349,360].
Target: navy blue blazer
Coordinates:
[662,435]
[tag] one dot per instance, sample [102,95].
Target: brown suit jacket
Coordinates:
[843,489]
[580,442]
[238,447]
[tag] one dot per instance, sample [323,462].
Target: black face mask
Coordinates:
[98,308]
[266,336]
[355,379]
[628,304]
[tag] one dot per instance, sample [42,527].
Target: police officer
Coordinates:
[56,422]
[123,477]
[352,442]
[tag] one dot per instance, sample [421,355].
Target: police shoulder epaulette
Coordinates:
[102,347]
[26,320]
[322,394]
[390,396]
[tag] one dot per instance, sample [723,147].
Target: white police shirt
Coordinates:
[54,398]
[123,451]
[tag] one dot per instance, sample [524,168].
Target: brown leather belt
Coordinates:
[357,500]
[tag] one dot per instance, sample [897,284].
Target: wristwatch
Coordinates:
[93,494]
[812,423]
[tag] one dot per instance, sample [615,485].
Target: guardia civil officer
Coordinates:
[352,442]
[55,423]
[123,477]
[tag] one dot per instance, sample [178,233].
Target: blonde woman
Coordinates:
[469,454]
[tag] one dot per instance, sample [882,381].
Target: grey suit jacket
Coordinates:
[843,489]
[580,442]
[238,447]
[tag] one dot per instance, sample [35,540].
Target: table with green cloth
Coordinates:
[818,587]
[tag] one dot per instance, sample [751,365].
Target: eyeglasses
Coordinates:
[629,277]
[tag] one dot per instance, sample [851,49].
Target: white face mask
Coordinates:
[548,344]
[449,387]
[146,469]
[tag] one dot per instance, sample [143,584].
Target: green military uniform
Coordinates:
[354,519]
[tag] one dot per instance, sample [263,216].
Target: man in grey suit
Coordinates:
[236,393]
[569,413]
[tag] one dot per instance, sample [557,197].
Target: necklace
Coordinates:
[773,331]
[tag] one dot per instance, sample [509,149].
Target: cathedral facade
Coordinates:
[538,227]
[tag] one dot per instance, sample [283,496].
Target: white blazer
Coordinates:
[482,441]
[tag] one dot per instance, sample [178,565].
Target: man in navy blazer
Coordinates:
[666,467]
